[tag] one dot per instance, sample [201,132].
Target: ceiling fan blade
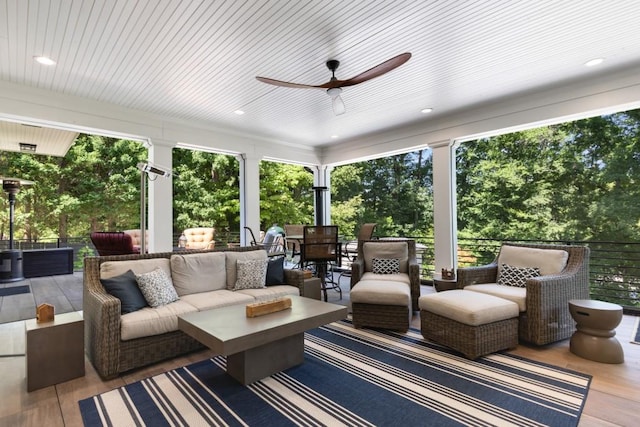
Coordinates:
[376,71]
[285,84]
[338,105]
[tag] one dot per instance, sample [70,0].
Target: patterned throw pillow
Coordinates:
[252,274]
[385,265]
[516,276]
[157,287]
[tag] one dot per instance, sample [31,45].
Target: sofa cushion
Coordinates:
[511,293]
[125,288]
[549,261]
[153,321]
[231,260]
[252,274]
[193,273]
[157,288]
[214,299]
[385,266]
[516,276]
[386,249]
[270,292]
[275,271]
[138,266]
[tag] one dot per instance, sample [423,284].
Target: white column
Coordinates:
[444,206]
[160,198]
[249,196]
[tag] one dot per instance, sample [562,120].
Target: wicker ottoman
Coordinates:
[381,304]
[472,323]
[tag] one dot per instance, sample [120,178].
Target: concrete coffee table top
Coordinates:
[227,330]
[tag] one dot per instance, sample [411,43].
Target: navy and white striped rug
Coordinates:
[354,377]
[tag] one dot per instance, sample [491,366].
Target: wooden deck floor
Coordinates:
[613,400]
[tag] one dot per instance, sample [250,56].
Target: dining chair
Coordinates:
[320,247]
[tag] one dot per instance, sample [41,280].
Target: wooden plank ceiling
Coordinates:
[197,59]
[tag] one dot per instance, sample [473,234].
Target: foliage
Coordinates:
[394,192]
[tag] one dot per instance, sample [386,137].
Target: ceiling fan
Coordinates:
[334,86]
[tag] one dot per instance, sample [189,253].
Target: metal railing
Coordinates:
[614,266]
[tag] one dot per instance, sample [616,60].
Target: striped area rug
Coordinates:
[357,378]
[635,335]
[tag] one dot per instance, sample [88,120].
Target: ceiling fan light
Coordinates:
[334,91]
[338,105]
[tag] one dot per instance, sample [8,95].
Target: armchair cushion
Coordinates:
[516,276]
[399,277]
[388,250]
[549,261]
[511,293]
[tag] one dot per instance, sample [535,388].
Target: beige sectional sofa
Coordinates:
[117,342]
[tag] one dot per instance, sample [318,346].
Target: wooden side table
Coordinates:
[54,350]
[444,284]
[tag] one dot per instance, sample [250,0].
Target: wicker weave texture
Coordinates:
[547,318]
[394,317]
[471,341]
[106,351]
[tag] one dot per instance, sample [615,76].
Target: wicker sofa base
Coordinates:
[471,341]
[395,317]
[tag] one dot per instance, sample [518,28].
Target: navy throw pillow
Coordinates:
[275,271]
[125,288]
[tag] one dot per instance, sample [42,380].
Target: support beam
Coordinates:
[249,195]
[444,206]
[160,195]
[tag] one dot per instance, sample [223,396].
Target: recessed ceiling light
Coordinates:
[426,110]
[44,60]
[239,112]
[334,136]
[593,62]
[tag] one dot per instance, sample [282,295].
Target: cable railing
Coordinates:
[614,267]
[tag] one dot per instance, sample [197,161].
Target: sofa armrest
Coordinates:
[101,313]
[295,277]
[474,275]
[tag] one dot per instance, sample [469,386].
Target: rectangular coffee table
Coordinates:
[257,347]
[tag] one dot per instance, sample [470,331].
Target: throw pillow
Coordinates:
[125,288]
[157,287]
[252,274]
[516,276]
[385,265]
[275,271]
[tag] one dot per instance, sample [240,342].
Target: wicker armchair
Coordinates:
[546,318]
[379,315]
